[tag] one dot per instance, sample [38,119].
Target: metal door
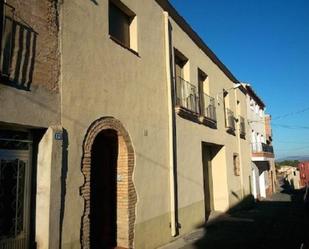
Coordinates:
[15,182]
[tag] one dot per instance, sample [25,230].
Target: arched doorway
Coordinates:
[107,165]
[103,204]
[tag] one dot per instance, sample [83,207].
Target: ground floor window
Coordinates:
[15,188]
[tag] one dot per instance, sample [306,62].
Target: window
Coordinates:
[180,62]
[252,104]
[256,109]
[261,112]
[122,25]
[6,27]
[236,164]
[15,182]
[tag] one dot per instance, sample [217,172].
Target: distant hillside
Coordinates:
[293,158]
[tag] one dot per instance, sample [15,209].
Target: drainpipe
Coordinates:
[239,148]
[171,122]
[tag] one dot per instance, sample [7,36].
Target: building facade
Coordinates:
[124,128]
[303,168]
[263,162]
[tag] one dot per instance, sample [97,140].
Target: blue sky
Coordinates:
[264,43]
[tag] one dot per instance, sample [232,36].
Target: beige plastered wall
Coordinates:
[100,78]
[228,188]
[48,196]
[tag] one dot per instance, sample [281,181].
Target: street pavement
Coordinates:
[278,222]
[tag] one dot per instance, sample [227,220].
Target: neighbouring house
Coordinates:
[291,176]
[272,177]
[29,115]
[304,173]
[208,112]
[119,127]
[262,156]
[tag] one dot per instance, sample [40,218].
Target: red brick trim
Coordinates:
[126,195]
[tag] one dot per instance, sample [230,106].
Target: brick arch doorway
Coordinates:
[109,193]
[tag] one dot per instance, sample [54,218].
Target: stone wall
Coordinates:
[29,92]
[36,21]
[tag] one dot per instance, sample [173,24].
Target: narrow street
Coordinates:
[278,222]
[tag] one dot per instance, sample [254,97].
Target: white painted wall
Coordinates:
[262,183]
[256,118]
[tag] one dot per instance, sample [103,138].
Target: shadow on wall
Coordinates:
[95,2]
[18,50]
[260,225]
[64,173]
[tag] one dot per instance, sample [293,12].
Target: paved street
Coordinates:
[279,222]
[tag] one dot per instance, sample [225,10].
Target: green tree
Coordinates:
[293,163]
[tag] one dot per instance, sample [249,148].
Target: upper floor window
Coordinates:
[17,48]
[252,104]
[180,63]
[6,29]
[122,24]
[236,164]
[202,97]
[256,109]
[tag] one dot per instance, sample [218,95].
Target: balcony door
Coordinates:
[201,81]
[15,190]
[179,75]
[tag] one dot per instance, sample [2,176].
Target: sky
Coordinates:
[264,43]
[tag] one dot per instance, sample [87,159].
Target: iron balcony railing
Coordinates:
[242,126]
[208,108]
[6,34]
[262,147]
[267,148]
[187,95]
[230,119]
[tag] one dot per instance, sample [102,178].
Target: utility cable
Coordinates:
[291,113]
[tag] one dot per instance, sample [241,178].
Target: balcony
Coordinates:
[17,49]
[229,120]
[187,96]
[194,106]
[6,30]
[242,127]
[208,108]
[267,148]
[262,150]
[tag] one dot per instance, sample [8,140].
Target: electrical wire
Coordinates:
[280,125]
[292,127]
[291,113]
[292,142]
